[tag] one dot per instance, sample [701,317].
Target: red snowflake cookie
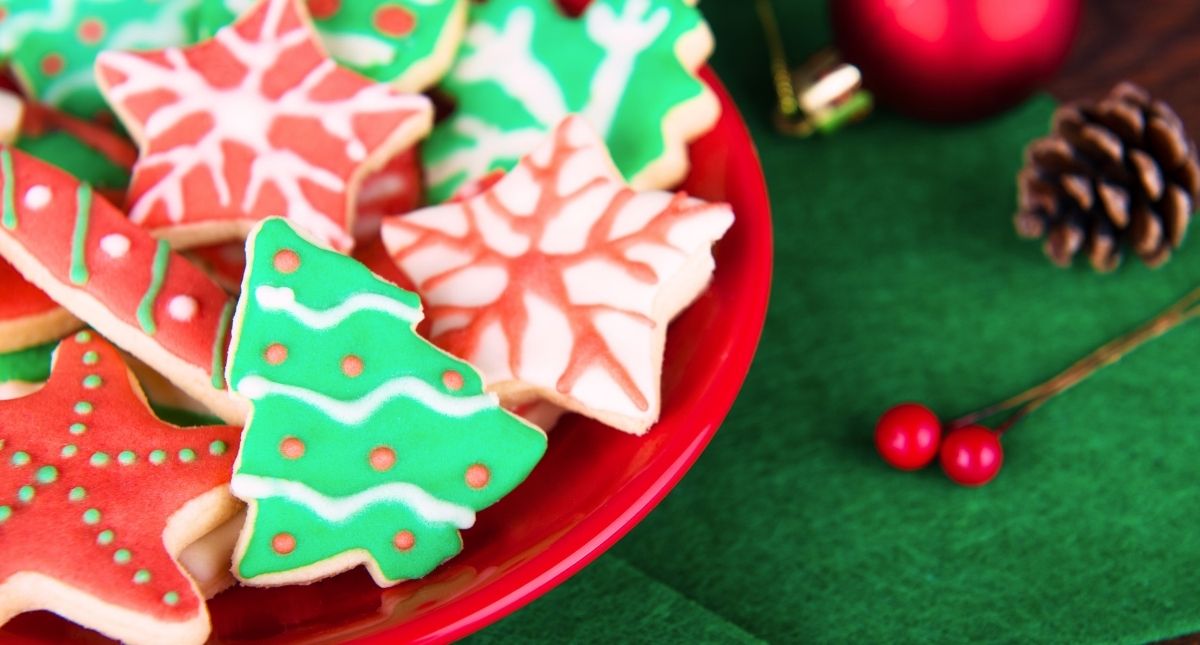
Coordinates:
[560,279]
[255,122]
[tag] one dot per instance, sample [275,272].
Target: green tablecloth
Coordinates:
[898,276]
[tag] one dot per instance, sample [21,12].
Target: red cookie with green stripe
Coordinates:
[112,274]
[98,496]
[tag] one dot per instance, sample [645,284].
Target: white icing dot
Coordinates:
[182,308]
[114,245]
[37,197]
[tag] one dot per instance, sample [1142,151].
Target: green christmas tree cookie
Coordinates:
[407,43]
[366,444]
[629,66]
[52,45]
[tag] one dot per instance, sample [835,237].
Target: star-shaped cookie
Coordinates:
[559,280]
[254,122]
[97,496]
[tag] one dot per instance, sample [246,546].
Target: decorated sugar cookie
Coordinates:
[28,316]
[52,45]
[255,121]
[92,152]
[560,280]
[98,498]
[407,43]
[630,68]
[24,371]
[366,444]
[110,273]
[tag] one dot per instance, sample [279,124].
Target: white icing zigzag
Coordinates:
[283,299]
[339,509]
[356,411]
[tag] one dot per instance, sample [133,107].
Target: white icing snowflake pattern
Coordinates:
[562,279]
[257,121]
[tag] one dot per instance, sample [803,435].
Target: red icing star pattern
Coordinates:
[255,122]
[89,482]
[561,279]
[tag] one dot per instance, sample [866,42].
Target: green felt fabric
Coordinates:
[899,277]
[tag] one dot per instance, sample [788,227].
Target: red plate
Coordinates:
[594,484]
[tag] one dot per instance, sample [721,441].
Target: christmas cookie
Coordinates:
[630,68]
[12,112]
[27,316]
[99,497]
[559,280]
[24,371]
[407,43]
[366,444]
[255,121]
[90,151]
[111,273]
[51,45]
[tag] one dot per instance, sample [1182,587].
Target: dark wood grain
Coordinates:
[1155,43]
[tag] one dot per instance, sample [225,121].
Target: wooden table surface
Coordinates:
[1155,44]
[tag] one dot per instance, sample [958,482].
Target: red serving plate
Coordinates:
[593,485]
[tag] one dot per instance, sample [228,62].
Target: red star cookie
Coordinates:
[113,275]
[559,280]
[97,496]
[255,122]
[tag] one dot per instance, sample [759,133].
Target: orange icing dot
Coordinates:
[394,20]
[291,448]
[453,380]
[91,30]
[478,476]
[382,458]
[404,540]
[352,366]
[283,543]
[275,354]
[287,261]
[322,9]
[52,64]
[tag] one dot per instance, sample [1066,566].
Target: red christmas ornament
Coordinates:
[907,436]
[953,60]
[972,456]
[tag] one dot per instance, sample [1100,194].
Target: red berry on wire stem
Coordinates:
[972,456]
[907,436]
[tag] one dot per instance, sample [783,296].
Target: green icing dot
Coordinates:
[25,493]
[46,474]
[157,457]
[83,407]
[91,516]
[90,358]
[217,447]
[141,577]
[5,513]
[20,458]
[69,450]
[83,337]
[171,598]
[105,537]
[122,556]
[186,455]
[99,459]
[77,428]
[126,457]
[77,494]
[92,381]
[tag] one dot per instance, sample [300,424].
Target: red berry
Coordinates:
[972,455]
[907,436]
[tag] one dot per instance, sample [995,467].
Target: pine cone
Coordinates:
[1121,172]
